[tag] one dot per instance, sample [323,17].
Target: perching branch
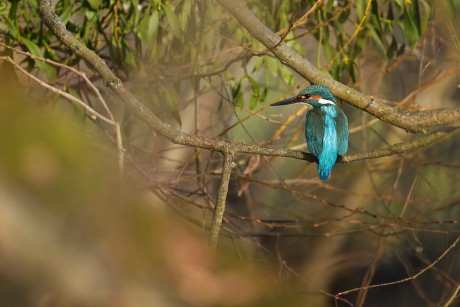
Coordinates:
[411,121]
[401,147]
[414,121]
[160,127]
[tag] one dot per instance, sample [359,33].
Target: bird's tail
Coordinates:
[326,161]
[324,170]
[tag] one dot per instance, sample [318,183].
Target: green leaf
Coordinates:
[286,75]
[272,65]
[130,59]
[375,18]
[329,51]
[172,20]
[66,13]
[377,40]
[90,14]
[410,30]
[94,4]
[360,8]
[49,70]
[263,95]
[415,13]
[426,15]
[148,28]
[235,87]
[392,50]
[12,29]
[255,93]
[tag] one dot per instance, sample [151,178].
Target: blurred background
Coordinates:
[73,233]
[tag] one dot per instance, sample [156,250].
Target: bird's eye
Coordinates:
[305,97]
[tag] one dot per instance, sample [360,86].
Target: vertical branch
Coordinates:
[221,198]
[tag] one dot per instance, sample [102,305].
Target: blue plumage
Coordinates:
[326,127]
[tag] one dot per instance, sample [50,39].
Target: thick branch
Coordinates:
[412,121]
[178,137]
[175,136]
[221,198]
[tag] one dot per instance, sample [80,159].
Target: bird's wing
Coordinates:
[314,131]
[341,126]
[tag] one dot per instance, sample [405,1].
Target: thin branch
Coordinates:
[221,198]
[413,277]
[411,121]
[93,114]
[178,137]
[400,147]
[453,297]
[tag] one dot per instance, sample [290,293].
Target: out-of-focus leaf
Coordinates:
[66,13]
[255,93]
[401,49]
[410,30]
[185,14]
[172,20]
[49,70]
[414,11]
[426,15]
[360,8]
[148,28]
[12,29]
[392,50]
[375,18]
[235,87]
[329,51]
[272,65]
[377,41]
[400,2]
[263,95]
[90,14]
[130,59]
[94,4]
[286,75]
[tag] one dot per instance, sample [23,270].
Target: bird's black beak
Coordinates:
[286,101]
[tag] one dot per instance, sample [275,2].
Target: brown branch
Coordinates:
[411,121]
[178,137]
[160,127]
[413,277]
[401,147]
[286,55]
[221,199]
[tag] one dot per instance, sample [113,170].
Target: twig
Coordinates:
[111,118]
[452,297]
[411,121]
[452,246]
[221,198]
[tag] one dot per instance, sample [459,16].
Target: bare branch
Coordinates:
[411,121]
[413,277]
[221,198]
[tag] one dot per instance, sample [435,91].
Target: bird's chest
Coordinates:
[323,118]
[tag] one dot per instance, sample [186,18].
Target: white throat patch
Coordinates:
[325,101]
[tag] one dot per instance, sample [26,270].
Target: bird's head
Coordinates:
[315,95]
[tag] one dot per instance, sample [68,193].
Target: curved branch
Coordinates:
[179,137]
[411,121]
[160,127]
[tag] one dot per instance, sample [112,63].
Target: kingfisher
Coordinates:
[326,126]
